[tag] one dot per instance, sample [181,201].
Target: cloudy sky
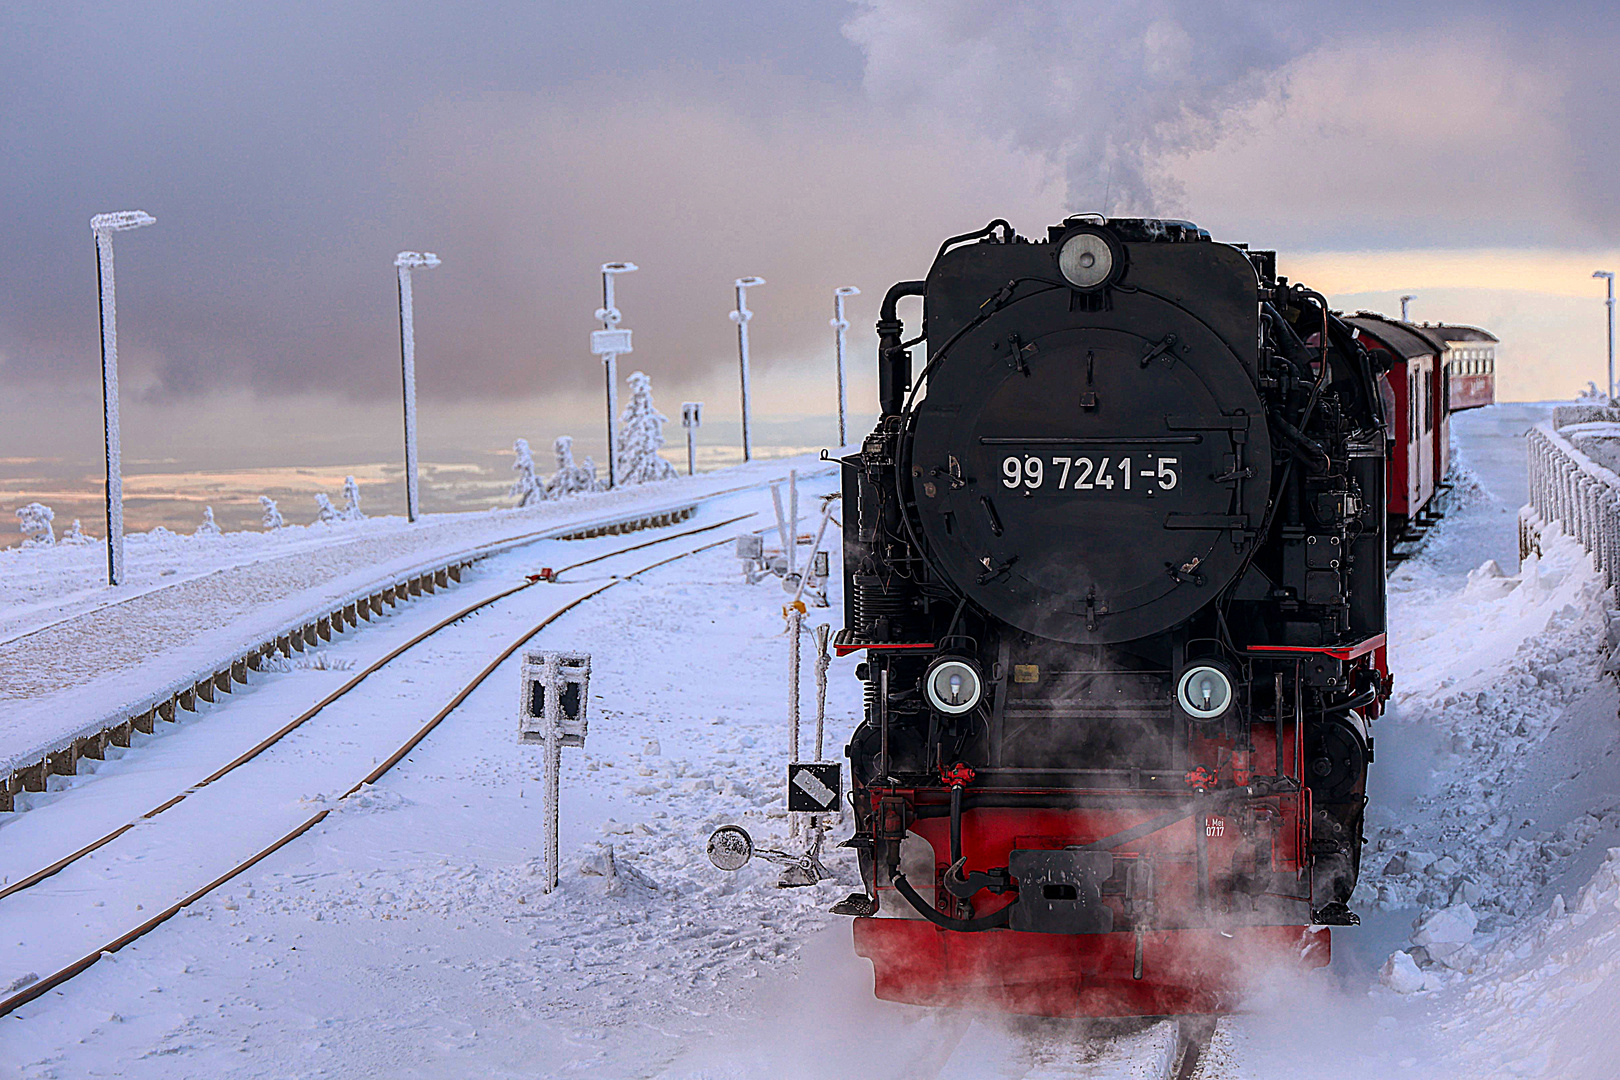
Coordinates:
[1468,153]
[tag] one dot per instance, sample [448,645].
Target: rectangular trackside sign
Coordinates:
[813,787]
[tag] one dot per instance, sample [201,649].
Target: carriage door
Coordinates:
[1414,441]
[1423,445]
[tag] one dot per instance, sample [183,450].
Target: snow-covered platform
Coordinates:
[81,663]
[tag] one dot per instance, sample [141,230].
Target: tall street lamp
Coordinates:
[741,317]
[406,261]
[1608,275]
[102,226]
[608,343]
[1404,301]
[839,325]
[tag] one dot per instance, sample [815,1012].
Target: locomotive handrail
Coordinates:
[1338,652]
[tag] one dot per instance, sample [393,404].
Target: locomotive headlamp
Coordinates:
[1088,259]
[1204,692]
[953,686]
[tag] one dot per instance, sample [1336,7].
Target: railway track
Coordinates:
[23,889]
[1172,1048]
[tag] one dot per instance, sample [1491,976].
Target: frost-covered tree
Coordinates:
[74,535]
[272,516]
[324,510]
[34,520]
[351,501]
[527,488]
[641,436]
[571,478]
[208,527]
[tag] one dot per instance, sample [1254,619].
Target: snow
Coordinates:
[409,933]
[351,501]
[527,488]
[641,436]
[209,526]
[74,653]
[34,522]
[571,479]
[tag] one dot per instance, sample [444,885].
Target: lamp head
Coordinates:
[1603,274]
[846,290]
[121,220]
[749,282]
[412,260]
[619,267]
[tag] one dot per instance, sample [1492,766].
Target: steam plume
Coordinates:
[1099,88]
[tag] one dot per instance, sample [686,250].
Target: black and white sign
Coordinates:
[813,787]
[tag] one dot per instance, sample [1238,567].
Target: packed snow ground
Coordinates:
[407,935]
[72,651]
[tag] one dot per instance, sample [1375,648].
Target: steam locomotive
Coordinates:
[1115,558]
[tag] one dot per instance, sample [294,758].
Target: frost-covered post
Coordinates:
[839,325]
[741,317]
[608,343]
[102,226]
[551,712]
[405,262]
[1608,275]
[795,618]
[691,420]
[823,661]
[793,524]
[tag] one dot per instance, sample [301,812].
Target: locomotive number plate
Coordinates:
[1053,473]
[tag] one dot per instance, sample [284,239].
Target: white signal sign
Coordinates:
[604,342]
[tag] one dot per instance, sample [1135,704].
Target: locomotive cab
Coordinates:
[1115,562]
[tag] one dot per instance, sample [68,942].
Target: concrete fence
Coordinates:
[1575,494]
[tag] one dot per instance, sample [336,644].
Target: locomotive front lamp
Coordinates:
[953,686]
[1204,692]
[1087,260]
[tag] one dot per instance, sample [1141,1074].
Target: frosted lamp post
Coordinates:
[1608,275]
[741,317]
[839,325]
[406,261]
[1404,301]
[608,343]
[102,226]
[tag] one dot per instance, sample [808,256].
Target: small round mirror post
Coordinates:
[730,847]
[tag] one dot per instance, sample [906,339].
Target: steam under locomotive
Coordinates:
[1115,558]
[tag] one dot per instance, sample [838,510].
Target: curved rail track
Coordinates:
[44,985]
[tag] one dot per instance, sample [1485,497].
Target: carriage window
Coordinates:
[1428,406]
[1411,405]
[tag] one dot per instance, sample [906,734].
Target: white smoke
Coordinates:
[1100,89]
